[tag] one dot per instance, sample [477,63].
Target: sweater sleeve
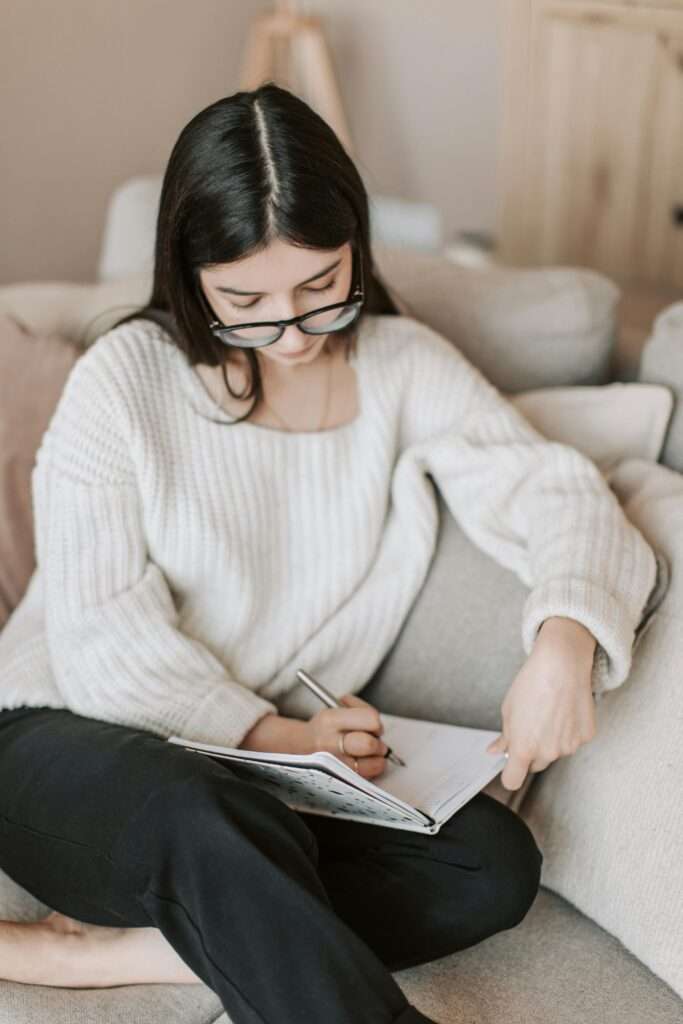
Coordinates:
[112,633]
[540,508]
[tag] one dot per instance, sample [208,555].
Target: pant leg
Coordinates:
[414,897]
[113,825]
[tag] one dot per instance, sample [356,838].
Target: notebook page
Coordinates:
[441,761]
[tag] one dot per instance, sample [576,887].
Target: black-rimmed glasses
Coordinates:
[324,320]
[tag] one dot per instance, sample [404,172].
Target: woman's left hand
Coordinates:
[549,710]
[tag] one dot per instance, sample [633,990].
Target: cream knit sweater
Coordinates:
[186,569]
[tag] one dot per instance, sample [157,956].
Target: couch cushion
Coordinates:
[617,855]
[134,1004]
[519,975]
[33,369]
[524,328]
[608,423]
[661,362]
[79,312]
[556,967]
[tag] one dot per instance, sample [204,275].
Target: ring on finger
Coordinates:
[341,747]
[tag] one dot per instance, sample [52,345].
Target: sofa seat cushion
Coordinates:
[134,1004]
[556,967]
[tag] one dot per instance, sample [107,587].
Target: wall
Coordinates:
[420,80]
[94,91]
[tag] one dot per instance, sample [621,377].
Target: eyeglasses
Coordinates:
[324,320]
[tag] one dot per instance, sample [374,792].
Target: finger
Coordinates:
[368,767]
[515,771]
[368,745]
[364,744]
[497,746]
[363,719]
[352,700]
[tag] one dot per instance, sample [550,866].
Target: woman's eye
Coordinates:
[324,288]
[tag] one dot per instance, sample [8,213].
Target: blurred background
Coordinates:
[527,132]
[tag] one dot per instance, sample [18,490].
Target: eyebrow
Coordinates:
[321,273]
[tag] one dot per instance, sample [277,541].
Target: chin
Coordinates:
[316,347]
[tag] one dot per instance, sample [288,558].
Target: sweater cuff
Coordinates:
[226,715]
[604,616]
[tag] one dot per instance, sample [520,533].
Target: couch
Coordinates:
[603,941]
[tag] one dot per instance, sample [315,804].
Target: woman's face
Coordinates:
[278,283]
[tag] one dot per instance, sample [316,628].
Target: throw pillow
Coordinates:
[607,423]
[33,371]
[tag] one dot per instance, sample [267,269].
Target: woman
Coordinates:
[233,485]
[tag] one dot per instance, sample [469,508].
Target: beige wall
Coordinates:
[421,80]
[94,91]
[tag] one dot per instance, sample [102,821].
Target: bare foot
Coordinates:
[63,952]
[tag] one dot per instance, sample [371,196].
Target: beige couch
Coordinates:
[603,941]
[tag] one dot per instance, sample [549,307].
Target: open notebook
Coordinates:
[445,766]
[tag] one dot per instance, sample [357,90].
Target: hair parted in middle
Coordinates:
[251,168]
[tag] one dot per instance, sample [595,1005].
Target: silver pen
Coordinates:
[329,698]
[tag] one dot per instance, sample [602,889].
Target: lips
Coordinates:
[291,355]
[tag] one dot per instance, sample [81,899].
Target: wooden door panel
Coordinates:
[593,138]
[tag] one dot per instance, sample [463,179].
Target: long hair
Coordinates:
[250,168]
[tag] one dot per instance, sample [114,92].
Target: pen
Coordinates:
[329,698]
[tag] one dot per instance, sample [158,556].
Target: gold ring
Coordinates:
[341,747]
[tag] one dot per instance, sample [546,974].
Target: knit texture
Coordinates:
[186,569]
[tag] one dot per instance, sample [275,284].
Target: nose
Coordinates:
[292,340]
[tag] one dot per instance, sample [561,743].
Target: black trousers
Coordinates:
[286,916]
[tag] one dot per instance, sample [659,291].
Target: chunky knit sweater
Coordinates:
[186,569]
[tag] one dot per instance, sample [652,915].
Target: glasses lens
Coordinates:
[330,319]
[249,337]
[316,323]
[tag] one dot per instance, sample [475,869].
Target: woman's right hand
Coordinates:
[361,726]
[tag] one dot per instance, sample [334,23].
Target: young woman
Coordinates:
[233,485]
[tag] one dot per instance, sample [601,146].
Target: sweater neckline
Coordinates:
[206,406]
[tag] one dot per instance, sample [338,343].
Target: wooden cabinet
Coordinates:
[591,168]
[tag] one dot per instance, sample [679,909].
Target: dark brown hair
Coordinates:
[248,169]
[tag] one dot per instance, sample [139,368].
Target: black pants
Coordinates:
[286,916]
